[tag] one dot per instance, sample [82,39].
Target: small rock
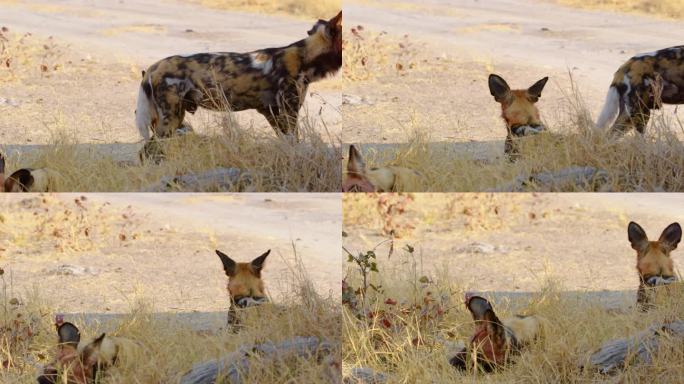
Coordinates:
[364,375]
[355,100]
[8,102]
[72,270]
[481,248]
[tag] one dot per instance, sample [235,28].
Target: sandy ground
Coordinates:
[168,256]
[576,240]
[106,44]
[458,43]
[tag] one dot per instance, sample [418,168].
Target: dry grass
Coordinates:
[24,55]
[321,9]
[633,163]
[168,347]
[273,163]
[43,222]
[415,322]
[673,9]
[367,53]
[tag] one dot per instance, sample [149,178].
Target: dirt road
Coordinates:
[514,244]
[168,256]
[521,40]
[110,43]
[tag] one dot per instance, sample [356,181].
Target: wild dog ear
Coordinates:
[91,352]
[498,88]
[355,163]
[336,22]
[483,312]
[534,92]
[671,236]
[637,236]
[495,328]
[228,263]
[477,306]
[97,342]
[69,334]
[143,73]
[19,181]
[258,263]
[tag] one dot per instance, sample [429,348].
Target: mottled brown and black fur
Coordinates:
[494,341]
[80,361]
[273,81]
[644,83]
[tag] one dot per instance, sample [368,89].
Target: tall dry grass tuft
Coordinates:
[416,321]
[24,55]
[169,347]
[267,162]
[366,53]
[653,162]
[673,9]
[322,9]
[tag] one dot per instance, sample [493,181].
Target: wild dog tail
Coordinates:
[610,110]
[145,112]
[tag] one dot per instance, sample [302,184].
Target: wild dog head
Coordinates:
[245,286]
[324,48]
[654,264]
[79,362]
[494,341]
[384,179]
[518,107]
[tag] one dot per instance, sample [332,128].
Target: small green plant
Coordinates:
[366,263]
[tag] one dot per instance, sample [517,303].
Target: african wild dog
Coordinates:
[495,341]
[245,286]
[82,362]
[29,179]
[643,83]
[384,179]
[273,81]
[654,263]
[518,110]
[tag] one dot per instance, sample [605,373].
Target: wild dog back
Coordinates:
[273,81]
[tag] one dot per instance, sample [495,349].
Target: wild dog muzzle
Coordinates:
[657,281]
[527,130]
[249,301]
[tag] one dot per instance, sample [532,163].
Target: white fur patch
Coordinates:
[649,54]
[658,280]
[173,81]
[143,115]
[258,63]
[250,302]
[528,130]
[625,96]
[610,109]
